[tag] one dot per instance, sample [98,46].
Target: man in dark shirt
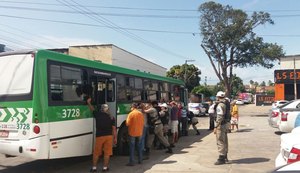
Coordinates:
[106,134]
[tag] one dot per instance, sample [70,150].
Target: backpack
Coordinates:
[151,120]
[227,116]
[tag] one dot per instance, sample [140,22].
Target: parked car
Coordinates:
[279,103]
[289,168]
[206,106]
[273,118]
[196,108]
[289,148]
[289,117]
[239,102]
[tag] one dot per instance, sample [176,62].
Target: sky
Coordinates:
[164,32]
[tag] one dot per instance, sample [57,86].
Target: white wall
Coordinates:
[128,60]
[288,62]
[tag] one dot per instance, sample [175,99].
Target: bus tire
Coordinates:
[123,141]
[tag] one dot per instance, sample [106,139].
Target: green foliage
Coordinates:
[237,85]
[263,83]
[271,92]
[229,40]
[202,90]
[186,72]
[270,83]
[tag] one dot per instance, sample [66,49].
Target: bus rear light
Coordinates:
[284,116]
[36,129]
[294,155]
[53,143]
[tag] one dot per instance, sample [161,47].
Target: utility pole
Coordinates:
[185,69]
[295,80]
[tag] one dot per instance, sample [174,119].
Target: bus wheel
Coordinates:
[123,141]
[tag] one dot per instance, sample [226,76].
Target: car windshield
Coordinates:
[16,74]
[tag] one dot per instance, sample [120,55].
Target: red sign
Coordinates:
[286,76]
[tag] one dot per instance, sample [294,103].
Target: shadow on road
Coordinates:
[279,133]
[250,160]
[244,130]
[45,166]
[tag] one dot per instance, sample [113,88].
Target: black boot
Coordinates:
[226,158]
[169,150]
[221,160]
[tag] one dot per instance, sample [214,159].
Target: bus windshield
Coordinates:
[16,73]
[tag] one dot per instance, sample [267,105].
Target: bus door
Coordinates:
[104,92]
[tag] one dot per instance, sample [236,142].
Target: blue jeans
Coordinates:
[132,145]
[145,131]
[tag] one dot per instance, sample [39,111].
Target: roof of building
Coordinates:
[112,45]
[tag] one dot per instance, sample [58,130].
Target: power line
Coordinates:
[16,42]
[126,33]
[95,25]
[131,29]
[136,8]
[26,38]
[39,36]
[103,14]
[107,7]
[122,14]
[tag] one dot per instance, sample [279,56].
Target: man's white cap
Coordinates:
[164,105]
[220,94]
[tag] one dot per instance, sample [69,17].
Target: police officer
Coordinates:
[221,129]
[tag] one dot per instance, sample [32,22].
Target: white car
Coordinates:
[289,117]
[289,168]
[196,108]
[279,103]
[289,148]
[239,102]
[273,118]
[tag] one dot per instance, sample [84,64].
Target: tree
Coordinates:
[263,83]
[229,40]
[237,85]
[270,83]
[192,74]
[202,90]
[251,82]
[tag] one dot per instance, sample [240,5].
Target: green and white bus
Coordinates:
[43,114]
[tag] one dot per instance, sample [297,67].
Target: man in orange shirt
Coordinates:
[135,123]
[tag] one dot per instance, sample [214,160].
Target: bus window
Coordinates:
[110,91]
[137,95]
[65,84]
[152,95]
[138,83]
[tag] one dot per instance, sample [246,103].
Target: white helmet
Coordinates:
[220,94]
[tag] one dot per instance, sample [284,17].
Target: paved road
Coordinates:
[252,149]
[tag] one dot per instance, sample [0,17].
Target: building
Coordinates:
[111,54]
[287,77]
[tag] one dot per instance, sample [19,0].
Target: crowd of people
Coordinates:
[159,125]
